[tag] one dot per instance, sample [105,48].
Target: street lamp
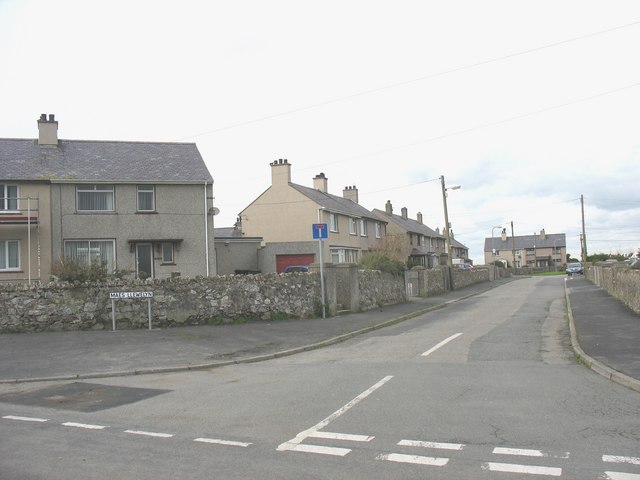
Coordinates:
[447,234]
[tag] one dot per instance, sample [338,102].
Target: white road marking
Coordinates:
[621,476]
[217,441]
[25,419]
[342,436]
[414,459]
[84,425]
[436,445]
[335,451]
[527,469]
[149,434]
[441,344]
[524,452]
[618,459]
[295,442]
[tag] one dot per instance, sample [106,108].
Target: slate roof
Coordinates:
[81,160]
[334,203]
[526,241]
[408,224]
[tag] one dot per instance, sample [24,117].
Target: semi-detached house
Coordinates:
[283,216]
[142,207]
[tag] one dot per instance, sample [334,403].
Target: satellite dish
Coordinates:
[214,211]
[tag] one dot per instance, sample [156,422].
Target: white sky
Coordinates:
[526,105]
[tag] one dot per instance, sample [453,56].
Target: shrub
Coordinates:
[383,262]
[74,271]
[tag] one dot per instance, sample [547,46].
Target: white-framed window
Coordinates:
[344,255]
[378,230]
[363,227]
[167,252]
[146,198]
[95,198]
[353,229]
[333,222]
[9,255]
[89,251]
[9,197]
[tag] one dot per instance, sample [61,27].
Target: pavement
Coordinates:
[604,337]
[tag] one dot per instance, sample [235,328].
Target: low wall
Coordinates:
[423,282]
[619,281]
[183,301]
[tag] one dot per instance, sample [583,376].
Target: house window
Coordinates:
[9,254]
[9,194]
[333,222]
[344,255]
[89,251]
[378,230]
[431,243]
[363,227]
[352,226]
[95,198]
[146,198]
[167,252]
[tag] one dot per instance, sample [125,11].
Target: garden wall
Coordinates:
[619,281]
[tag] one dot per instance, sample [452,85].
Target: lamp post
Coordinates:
[447,234]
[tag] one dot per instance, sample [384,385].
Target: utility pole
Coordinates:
[513,246]
[447,234]
[583,243]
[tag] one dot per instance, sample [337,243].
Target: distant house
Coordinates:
[537,250]
[144,207]
[412,240]
[284,214]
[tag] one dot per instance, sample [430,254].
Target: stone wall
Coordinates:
[619,281]
[182,301]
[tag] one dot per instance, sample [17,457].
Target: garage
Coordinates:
[284,261]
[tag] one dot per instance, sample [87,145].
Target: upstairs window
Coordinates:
[95,198]
[352,226]
[378,230]
[333,222]
[146,198]
[363,227]
[9,197]
[9,254]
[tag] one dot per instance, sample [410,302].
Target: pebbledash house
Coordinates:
[141,207]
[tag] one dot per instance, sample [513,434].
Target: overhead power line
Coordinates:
[410,81]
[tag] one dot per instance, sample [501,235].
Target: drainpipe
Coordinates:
[206,229]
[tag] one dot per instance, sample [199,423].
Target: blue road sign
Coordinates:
[320,230]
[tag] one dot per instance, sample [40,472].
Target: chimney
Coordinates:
[280,172]
[350,193]
[419,218]
[404,213]
[320,182]
[543,235]
[47,130]
[388,208]
[504,235]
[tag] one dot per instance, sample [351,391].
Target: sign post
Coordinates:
[119,295]
[320,231]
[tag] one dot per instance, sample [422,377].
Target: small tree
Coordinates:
[382,261]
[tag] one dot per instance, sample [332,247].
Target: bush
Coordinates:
[74,271]
[383,262]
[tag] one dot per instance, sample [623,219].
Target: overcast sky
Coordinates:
[525,105]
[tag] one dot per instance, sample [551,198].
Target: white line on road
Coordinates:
[524,452]
[621,476]
[335,451]
[441,344]
[342,436]
[527,469]
[217,441]
[414,459]
[436,445]
[294,442]
[618,459]
[25,419]
[149,434]
[84,425]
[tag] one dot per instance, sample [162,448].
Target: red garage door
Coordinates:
[284,261]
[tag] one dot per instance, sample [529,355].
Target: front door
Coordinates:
[144,260]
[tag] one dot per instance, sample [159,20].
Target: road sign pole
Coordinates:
[321,278]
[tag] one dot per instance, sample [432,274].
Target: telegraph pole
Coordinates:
[583,243]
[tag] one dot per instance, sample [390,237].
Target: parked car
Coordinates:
[465,266]
[296,268]
[574,268]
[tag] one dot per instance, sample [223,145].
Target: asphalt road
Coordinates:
[485,388]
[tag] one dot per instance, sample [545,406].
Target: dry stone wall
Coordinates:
[619,281]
